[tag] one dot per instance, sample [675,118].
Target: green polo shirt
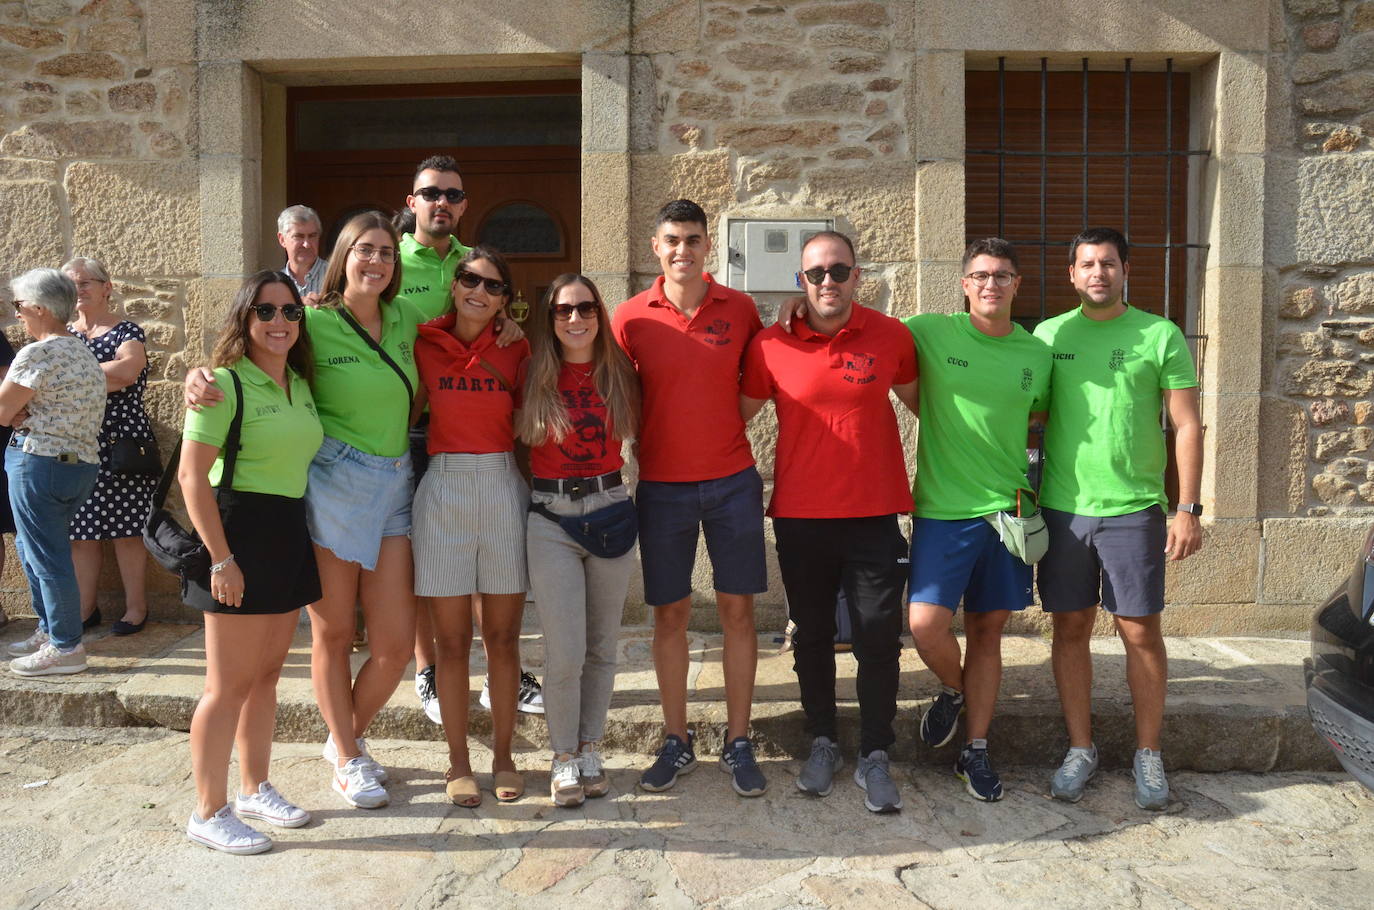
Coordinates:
[280,435]
[360,398]
[425,278]
[1104,444]
[976,393]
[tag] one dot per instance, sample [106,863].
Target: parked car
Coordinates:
[1340,673]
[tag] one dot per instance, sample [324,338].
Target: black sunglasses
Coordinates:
[434,194]
[838,271]
[291,312]
[495,286]
[587,309]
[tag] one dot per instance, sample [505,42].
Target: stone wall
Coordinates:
[96,159]
[1323,343]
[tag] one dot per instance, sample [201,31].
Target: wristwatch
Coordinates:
[1192,508]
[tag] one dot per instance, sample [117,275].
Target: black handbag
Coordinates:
[607,533]
[135,456]
[176,549]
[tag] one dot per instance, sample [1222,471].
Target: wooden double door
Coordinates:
[525,199]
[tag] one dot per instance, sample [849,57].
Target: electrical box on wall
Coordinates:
[765,255]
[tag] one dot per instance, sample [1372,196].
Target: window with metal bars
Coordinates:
[1050,153]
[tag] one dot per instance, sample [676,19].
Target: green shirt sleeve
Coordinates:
[1178,371]
[210,424]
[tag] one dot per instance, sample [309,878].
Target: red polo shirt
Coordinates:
[839,450]
[592,447]
[689,372]
[469,410]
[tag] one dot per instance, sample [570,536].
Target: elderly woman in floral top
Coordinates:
[54,396]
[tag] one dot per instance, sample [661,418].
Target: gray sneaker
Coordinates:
[818,772]
[880,790]
[1073,775]
[24,648]
[1151,786]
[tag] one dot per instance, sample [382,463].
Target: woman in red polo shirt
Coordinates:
[469,512]
[581,402]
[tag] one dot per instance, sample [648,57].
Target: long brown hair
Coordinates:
[232,344]
[544,415]
[336,279]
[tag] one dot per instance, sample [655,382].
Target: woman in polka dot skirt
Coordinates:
[120,502]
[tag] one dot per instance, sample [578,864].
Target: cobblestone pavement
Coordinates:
[94,818]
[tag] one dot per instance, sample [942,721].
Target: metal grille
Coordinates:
[1128,155]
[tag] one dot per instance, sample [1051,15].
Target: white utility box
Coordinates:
[765,255]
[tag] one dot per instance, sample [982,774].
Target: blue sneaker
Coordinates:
[676,757]
[974,769]
[1151,786]
[1073,775]
[940,719]
[738,761]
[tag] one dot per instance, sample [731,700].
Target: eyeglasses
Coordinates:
[434,194]
[367,253]
[291,312]
[587,309]
[495,286]
[1001,279]
[18,304]
[839,271]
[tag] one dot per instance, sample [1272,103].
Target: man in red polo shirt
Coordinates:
[687,336]
[839,484]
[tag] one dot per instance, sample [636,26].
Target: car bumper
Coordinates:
[1349,733]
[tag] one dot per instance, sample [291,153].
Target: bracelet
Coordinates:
[221,566]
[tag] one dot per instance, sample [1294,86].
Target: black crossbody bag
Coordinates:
[176,549]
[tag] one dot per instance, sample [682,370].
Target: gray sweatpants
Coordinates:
[580,599]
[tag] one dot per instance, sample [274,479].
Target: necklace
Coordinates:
[582,373]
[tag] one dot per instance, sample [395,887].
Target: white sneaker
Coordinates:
[428,695]
[356,783]
[330,752]
[224,831]
[565,784]
[24,648]
[48,661]
[270,806]
[592,772]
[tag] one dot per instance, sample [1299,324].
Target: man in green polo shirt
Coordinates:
[431,254]
[429,260]
[1103,497]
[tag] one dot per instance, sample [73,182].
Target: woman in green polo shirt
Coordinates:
[263,568]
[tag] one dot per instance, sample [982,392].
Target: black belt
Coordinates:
[577,487]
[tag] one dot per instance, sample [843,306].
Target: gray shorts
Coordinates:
[1117,561]
[469,534]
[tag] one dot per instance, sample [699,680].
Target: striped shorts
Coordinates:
[468,533]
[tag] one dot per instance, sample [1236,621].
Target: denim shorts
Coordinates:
[729,510]
[353,500]
[1117,561]
[964,558]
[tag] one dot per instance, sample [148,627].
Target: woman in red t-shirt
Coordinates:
[469,512]
[581,402]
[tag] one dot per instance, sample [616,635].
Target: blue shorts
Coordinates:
[353,500]
[729,510]
[1117,561]
[965,559]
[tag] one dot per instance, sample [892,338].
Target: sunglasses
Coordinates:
[495,286]
[434,194]
[839,272]
[291,312]
[587,309]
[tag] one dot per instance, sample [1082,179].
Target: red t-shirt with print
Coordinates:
[839,451]
[591,448]
[469,408]
[689,372]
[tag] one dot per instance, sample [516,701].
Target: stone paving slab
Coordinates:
[105,830]
[1234,704]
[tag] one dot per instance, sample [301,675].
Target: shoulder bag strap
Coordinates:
[495,373]
[372,343]
[231,452]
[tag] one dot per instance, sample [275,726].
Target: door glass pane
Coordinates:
[396,123]
[520,227]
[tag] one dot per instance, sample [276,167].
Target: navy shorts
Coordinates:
[964,558]
[730,512]
[1117,561]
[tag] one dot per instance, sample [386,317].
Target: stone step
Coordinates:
[1234,703]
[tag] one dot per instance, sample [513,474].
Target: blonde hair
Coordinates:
[544,415]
